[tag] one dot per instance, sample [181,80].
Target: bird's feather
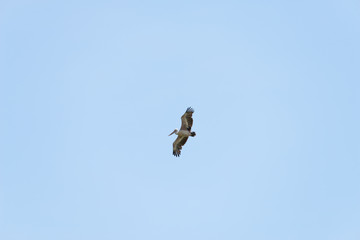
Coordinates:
[177,145]
[186,119]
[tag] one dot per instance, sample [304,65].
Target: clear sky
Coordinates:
[90,90]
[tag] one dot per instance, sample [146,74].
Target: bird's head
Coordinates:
[175,131]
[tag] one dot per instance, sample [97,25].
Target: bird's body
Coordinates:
[184,133]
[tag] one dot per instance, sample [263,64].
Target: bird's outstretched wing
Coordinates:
[177,145]
[186,119]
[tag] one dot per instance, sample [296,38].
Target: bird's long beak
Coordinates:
[172,133]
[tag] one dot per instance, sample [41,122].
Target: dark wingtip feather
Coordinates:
[190,109]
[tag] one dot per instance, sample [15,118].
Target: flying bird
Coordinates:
[184,133]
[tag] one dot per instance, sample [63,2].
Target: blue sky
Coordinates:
[89,91]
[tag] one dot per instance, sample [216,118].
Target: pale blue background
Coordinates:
[89,91]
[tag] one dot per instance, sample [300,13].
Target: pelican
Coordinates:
[184,133]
